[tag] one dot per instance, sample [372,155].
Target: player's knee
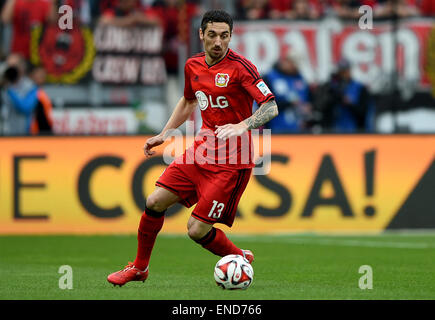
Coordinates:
[195,233]
[153,203]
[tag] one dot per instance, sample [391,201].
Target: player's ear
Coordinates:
[201,34]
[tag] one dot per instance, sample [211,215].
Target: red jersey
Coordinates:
[225,92]
[26,15]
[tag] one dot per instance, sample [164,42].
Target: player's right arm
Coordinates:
[8,11]
[181,113]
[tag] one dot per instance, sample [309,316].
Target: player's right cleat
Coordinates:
[129,273]
[248,255]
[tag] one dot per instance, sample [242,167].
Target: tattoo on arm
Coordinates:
[265,113]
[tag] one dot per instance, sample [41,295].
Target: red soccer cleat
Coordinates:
[248,255]
[129,273]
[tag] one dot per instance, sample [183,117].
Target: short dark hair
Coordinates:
[216,16]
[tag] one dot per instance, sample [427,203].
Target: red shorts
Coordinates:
[217,193]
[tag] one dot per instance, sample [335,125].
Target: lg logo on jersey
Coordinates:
[204,101]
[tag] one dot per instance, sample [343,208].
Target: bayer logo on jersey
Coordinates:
[204,101]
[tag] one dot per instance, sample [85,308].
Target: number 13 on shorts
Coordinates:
[216,210]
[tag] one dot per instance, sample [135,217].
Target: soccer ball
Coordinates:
[233,272]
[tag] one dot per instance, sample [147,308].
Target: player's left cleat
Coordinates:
[248,255]
[129,273]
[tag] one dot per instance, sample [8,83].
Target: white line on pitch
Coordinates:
[343,242]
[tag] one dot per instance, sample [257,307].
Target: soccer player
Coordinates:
[224,85]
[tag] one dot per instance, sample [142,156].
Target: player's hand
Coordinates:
[230,130]
[151,143]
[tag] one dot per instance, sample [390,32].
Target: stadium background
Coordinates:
[107,85]
[338,195]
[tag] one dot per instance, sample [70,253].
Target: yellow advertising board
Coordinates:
[328,183]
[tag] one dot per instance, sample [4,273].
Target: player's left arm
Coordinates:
[264,114]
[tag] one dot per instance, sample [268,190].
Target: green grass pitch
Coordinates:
[287,267]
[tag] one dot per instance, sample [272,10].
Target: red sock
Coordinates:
[150,224]
[217,242]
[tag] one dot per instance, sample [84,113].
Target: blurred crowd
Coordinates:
[340,105]
[175,15]
[344,9]
[344,104]
[25,106]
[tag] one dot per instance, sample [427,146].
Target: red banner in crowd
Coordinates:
[321,44]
